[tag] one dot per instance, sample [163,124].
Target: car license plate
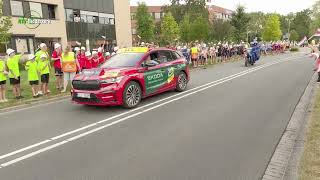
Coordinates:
[83,95]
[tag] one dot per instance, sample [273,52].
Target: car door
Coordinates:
[155,77]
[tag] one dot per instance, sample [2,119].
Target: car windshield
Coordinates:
[123,60]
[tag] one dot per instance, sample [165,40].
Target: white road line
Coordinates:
[212,84]
[128,112]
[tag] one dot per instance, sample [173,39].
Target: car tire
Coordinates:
[132,95]
[182,82]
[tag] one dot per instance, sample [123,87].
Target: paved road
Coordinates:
[221,128]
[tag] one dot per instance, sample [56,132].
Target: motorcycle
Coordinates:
[253,55]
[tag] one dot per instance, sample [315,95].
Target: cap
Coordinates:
[107,54]
[94,52]
[43,56]
[57,45]
[88,53]
[42,45]
[76,49]
[10,51]
[83,48]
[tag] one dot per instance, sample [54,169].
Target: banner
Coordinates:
[303,41]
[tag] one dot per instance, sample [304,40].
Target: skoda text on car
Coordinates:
[129,76]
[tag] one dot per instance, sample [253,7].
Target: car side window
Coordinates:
[151,58]
[175,55]
[165,56]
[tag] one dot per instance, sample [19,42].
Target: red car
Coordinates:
[129,76]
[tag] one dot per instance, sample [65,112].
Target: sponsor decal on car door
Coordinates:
[155,79]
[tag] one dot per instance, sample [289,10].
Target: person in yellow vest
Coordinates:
[43,50]
[194,56]
[44,71]
[33,78]
[3,81]
[13,62]
[69,67]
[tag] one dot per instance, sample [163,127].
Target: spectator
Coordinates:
[56,58]
[194,56]
[88,60]
[95,59]
[69,67]
[3,81]
[44,71]
[14,72]
[33,78]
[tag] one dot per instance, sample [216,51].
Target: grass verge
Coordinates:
[309,168]
[27,93]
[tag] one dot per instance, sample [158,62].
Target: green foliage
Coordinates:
[301,23]
[145,24]
[294,49]
[194,8]
[221,30]
[199,29]
[240,21]
[315,17]
[5,25]
[272,31]
[169,29]
[294,36]
[255,25]
[185,29]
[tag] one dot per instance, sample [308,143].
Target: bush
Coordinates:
[294,49]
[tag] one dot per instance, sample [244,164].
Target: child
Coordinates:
[33,78]
[3,81]
[44,71]
[56,57]
[14,72]
[88,60]
[95,59]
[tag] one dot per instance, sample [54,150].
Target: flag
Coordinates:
[303,41]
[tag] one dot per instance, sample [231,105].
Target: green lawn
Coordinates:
[310,162]
[27,93]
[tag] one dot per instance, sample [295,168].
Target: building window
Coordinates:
[111,20]
[95,19]
[51,11]
[134,31]
[83,18]
[16,8]
[76,15]
[69,15]
[157,15]
[133,16]
[35,9]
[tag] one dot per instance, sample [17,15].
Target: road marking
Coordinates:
[200,89]
[119,115]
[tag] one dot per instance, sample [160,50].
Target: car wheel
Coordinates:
[182,82]
[132,95]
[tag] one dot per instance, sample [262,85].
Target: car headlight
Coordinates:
[112,80]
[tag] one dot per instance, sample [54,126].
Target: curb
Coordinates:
[35,103]
[279,163]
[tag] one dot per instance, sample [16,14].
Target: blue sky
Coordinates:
[279,6]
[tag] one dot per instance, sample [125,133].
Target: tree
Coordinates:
[272,31]
[169,29]
[301,23]
[179,8]
[255,25]
[294,36]
[240,22]
[185,29]
[5,26]
[315,18]
[145,24]
[199,29]
[221,30]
